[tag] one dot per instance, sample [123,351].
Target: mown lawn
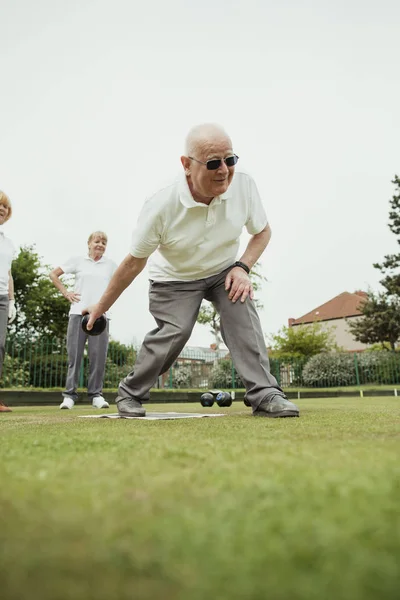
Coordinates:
[224,508]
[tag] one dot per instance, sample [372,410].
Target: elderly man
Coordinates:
[191,230]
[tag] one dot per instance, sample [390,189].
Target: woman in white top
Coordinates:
[7,302]
[92,275]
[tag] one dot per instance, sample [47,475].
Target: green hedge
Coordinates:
[344,369]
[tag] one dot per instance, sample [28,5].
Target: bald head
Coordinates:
[205,134]
[207,150]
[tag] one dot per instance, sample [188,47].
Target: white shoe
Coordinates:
[67,403]
[99,402]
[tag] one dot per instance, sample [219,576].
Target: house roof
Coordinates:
[341,306]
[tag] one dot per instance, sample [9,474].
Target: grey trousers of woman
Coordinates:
[3,328]
[97,351]
[175,306]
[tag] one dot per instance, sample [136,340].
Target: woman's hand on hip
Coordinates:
[73,297]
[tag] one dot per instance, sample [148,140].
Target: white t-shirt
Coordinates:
[191,240]
[7,254]
[91,279]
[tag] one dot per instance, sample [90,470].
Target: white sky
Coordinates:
[96,99]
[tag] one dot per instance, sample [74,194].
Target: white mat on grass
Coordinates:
[154,416]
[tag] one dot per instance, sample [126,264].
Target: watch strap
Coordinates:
[242,266]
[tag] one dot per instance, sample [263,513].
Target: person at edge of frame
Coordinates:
[191,230]
[8,311]
[92,274]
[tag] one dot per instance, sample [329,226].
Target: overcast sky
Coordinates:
[97,96]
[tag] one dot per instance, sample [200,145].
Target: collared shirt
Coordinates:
[191,240]
[91,279]
[7,254]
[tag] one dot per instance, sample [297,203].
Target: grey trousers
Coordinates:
[3,328]
[175,306]
[97,351]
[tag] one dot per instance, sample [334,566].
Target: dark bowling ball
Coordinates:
[224,399]
[207,399]
[98,326]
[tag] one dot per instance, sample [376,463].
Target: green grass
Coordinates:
[349,388]
[226,508]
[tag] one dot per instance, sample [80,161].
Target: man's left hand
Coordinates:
[12,311]
[239,284]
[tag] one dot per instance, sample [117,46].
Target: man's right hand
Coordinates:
[94,313]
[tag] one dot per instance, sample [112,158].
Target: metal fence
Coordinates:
[43,364]
[339,369]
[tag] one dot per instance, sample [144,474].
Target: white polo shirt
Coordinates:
[91,279]
[7,254]
[191,240]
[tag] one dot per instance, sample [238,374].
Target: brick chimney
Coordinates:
[291,321]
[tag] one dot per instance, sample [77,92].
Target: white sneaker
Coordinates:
[99,402]
[67,403]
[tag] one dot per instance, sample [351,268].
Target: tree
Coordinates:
[209,316]
[380,322]
[41,309]
[381,311]
[390,266]
[121,354]
[301,342]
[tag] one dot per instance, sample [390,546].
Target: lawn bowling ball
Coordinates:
[207,399]
[224,399]
[98,326]
[247,403]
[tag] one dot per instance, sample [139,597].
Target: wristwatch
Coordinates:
[243,266]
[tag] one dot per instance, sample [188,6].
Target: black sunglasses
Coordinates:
[215,163]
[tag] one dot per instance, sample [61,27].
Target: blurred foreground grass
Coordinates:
[225,508]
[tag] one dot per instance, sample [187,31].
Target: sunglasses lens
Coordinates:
[231,160]
[212,165]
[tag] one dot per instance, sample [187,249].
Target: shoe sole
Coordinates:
[276,415]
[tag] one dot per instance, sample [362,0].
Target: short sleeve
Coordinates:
[256,218]
[147,235]
[71,265]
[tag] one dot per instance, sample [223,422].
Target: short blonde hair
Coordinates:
[5,200]
[100,234]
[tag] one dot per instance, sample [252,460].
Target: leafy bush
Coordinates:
[121,354]
[48,370]
[221,375]
[330,369]
[380,367]
[381,347]
[15,373]
[181,377]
